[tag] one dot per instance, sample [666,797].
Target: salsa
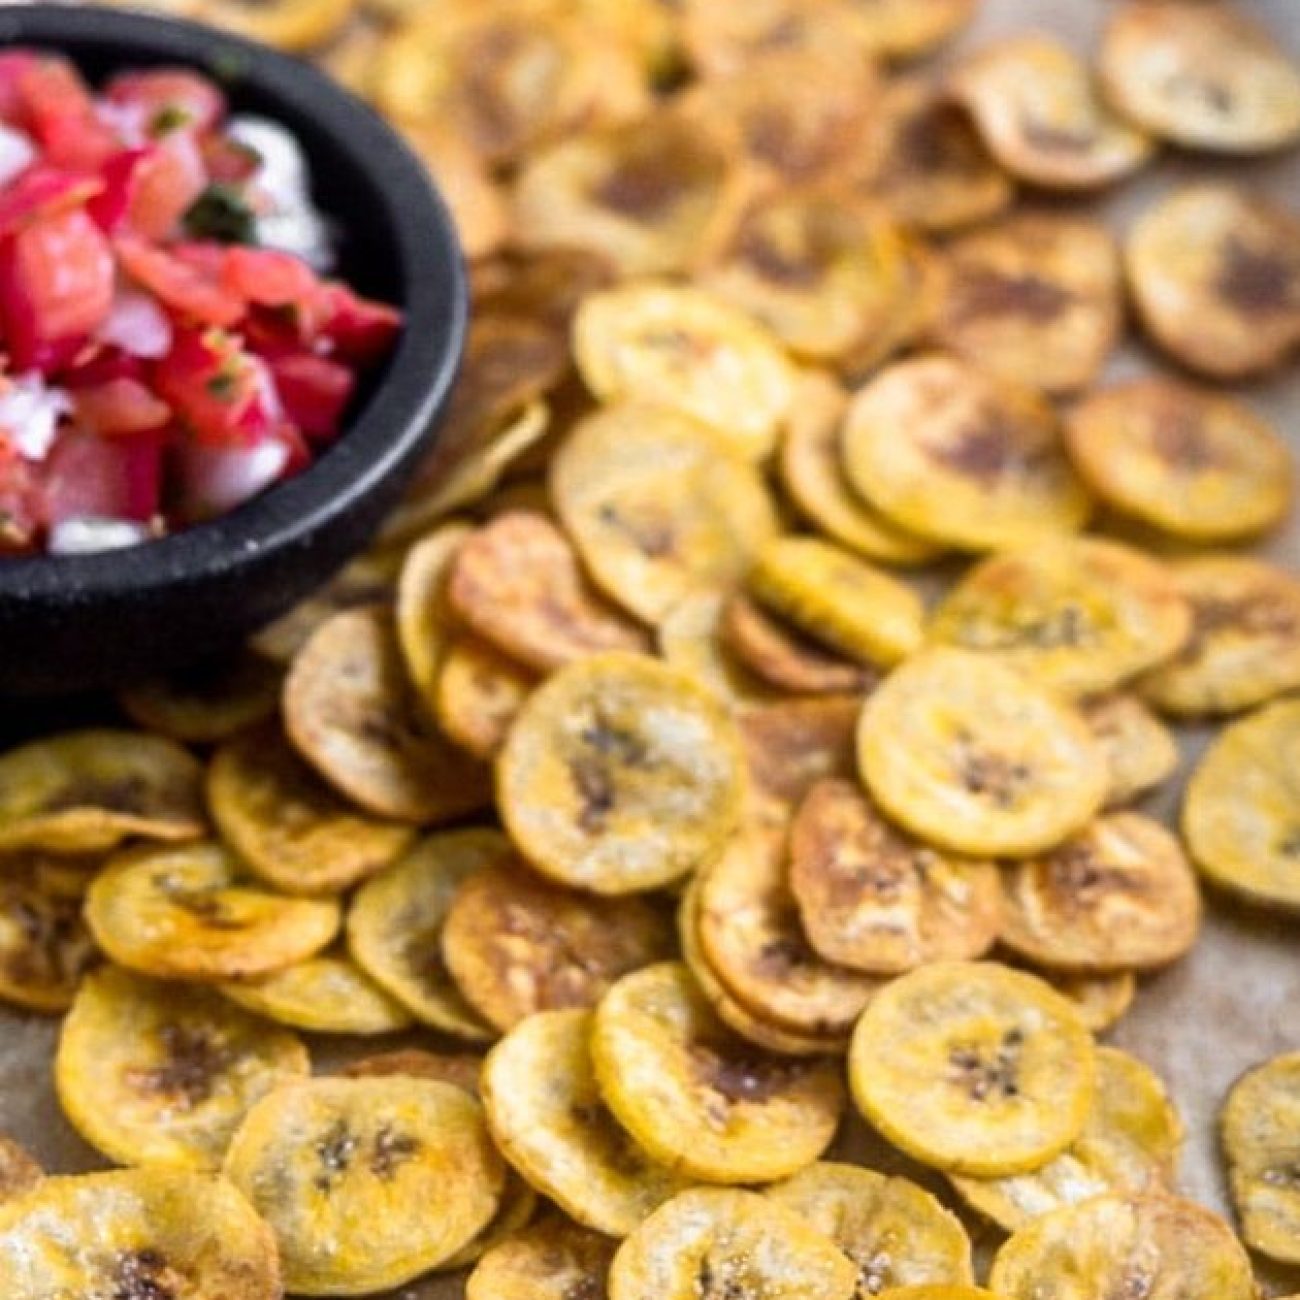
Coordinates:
[171,342]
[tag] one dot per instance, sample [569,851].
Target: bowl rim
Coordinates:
[388,430]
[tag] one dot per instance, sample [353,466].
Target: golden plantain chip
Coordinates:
[658,506]
[1140,750]
[547,286]
[969,754]
[208,705]
[699,1098]
[548,1119]
[906,29]
[895,1233]
[946,453]
[367,1183]
[1149,1245]
[152,1074]
[478,695]
[190,913]
[352,57]
[517,583]
[1260,1126]
[1082,615]
[838,599]
[1195,464]
[1129,1145]
[684,349]
[289,828]
[516,944]
[939,1291]
[1118,896]
[1035,106]
[750,937]
[19,1171]
[1102,1001]
[1241,813]
[1035,299]
[1205,77]
[620,775]
[45,948]
[1215,274]
[87,791]
[329,994]
[350,712]
[785,658]
[690,639]
[394,928]
[553,1259]
[973,1068]
[813,476]
[929,166]
[422,611]
[651,198]
[1245,642]
[293,25]
[136,1234]
[459,1068]
[872,898]
[717,1242]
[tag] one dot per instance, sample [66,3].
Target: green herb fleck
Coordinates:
[171,118]
[222,213]
[222,384]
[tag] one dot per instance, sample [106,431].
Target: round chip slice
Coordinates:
[838,599]
[422,613]
[394,927]
[1157,1246]
[294,25]
[750,936]
[813,475]
[366,1183]
[1261,1139]
[697,1097]
[1035,106]
[553,1259]
[329,994]
[971,755]
[1215,274]
[872,898]
[45,947]
[679,347]
[189,913]
[1141,752]
[1081,615]
[947,454]
[904,29]
[87,791]
[1241,815]
[289,827]
[516,944]
[1129,1144]
[19,1171]
[715,1242]
[139,1234]
[1245,642]
[690,640]
[895,1233]
[620,775]
[939,1291]
[208,705]
[658,506]
[1195,464]
[152,1074]
[1102,1001]
[517,583]
[1205,77]
[547,1116]
[349,711]
[478,695]
[973,1068]
[784,657]
[1035,299]
[459,1068]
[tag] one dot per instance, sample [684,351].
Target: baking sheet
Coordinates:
[1233,1002]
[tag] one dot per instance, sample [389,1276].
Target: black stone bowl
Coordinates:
[80,622]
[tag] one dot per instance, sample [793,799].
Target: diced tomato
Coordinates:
[192,291]
[362,331]
[105,365]
[119,406]
[227,160]
[22,502]
[42,191]
[59,111]
[222,394]
[271,333]
[269,278]
[148,190]
[14,65]
[315,392]
[171,99]
[107,478]
[56,288]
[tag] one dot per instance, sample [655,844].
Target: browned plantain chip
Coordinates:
[211,704]
[478,695]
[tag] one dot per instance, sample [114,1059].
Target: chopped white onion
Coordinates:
[137,325]
[30,413]
[17,153]
[129,122]
[217,479]
[86,534]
